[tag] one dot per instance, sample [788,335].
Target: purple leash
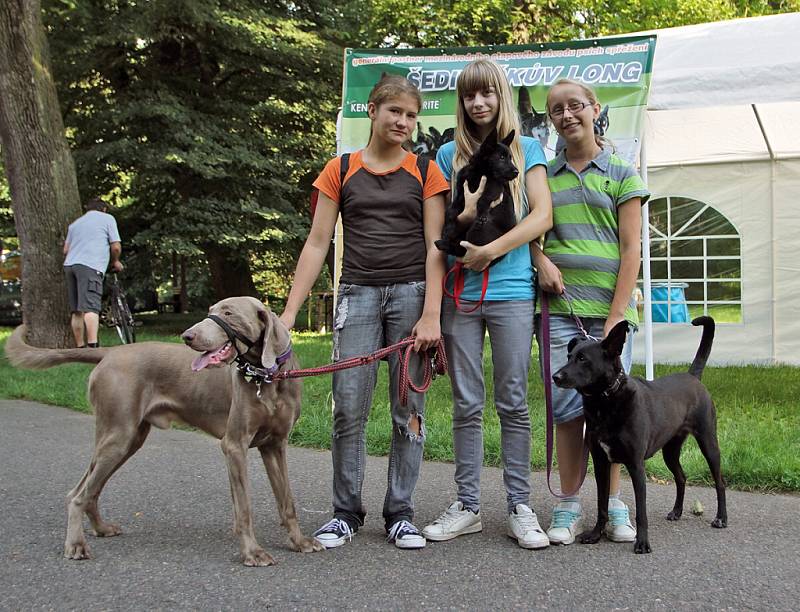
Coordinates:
[548,393]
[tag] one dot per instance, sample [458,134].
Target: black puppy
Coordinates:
[628,419]
[492,160]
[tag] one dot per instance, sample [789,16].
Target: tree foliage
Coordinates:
[203,119]
[434,23]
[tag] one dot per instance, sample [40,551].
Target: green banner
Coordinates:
[617,68]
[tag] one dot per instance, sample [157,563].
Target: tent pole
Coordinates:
[648,312]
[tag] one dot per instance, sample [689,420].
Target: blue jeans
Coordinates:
[510,326]
[567,403]
[367,319]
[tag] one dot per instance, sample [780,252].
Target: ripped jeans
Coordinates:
[368,318]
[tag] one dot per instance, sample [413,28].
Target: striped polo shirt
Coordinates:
[584,241]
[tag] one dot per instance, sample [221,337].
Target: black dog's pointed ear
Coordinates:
[615,340]
[490,142]
[572,344]
[509,139]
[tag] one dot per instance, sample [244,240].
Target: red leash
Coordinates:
[548,398]
[435,360]
[458,286]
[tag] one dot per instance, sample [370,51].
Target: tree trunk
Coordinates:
[39,167]
[230,272]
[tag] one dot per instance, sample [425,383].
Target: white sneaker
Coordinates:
[405,535]
[619,528]
[524,528]
[453,522]
[564,523]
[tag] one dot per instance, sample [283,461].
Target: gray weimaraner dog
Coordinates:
[135,386]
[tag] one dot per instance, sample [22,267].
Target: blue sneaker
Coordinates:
[334,533]
[619,528]
[564,523]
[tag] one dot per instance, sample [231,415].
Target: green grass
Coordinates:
[758,413]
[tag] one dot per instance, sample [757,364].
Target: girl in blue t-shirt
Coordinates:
[485,102]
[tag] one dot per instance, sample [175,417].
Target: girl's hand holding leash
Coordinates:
[550,279]
[427,332]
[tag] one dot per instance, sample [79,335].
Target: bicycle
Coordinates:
[116,312]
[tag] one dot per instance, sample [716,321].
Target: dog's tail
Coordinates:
[704,350]
[23,355]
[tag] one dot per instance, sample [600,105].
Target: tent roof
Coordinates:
[742,61]
[725,91]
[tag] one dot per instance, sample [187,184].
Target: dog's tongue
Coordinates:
[202,361]
[210,357]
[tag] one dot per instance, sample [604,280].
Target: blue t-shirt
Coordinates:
[511,278]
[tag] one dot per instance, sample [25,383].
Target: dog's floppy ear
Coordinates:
[276,337]
[615,340]
[509,139]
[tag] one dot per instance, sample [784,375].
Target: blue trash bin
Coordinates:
[676,311]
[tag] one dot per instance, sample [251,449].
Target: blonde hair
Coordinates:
[590,94]
[390,87]
[479,75]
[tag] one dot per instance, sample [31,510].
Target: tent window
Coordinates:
[696,265]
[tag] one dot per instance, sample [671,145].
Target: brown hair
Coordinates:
[392,86]
[590,94]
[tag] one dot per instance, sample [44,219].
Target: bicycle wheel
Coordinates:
[123,320]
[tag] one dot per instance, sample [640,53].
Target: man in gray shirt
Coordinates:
[91,241]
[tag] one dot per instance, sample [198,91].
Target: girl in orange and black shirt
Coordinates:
[391,218]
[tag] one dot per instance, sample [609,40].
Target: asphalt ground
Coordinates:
[177,550]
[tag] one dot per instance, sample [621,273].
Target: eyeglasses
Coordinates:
[572,107]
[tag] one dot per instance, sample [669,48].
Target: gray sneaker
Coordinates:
[453,522]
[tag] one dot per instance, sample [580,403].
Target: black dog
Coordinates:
[492,160]
[629,419]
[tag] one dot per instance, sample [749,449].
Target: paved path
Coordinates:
[178,552]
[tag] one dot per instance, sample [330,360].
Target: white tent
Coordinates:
[722,148]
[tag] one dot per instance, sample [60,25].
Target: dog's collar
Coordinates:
[258,376]
[615,386]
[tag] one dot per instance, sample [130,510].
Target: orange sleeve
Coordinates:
[328,181]
[435,183]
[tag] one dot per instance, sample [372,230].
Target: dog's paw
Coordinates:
[77,551]
[641,547]
[590,537]
[719,523]
[305,544]
[674,515]
[258,557]
[107,530]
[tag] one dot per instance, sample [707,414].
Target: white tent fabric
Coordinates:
[722,127]
[742,61]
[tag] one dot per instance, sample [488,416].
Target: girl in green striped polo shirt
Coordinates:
[591,257]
